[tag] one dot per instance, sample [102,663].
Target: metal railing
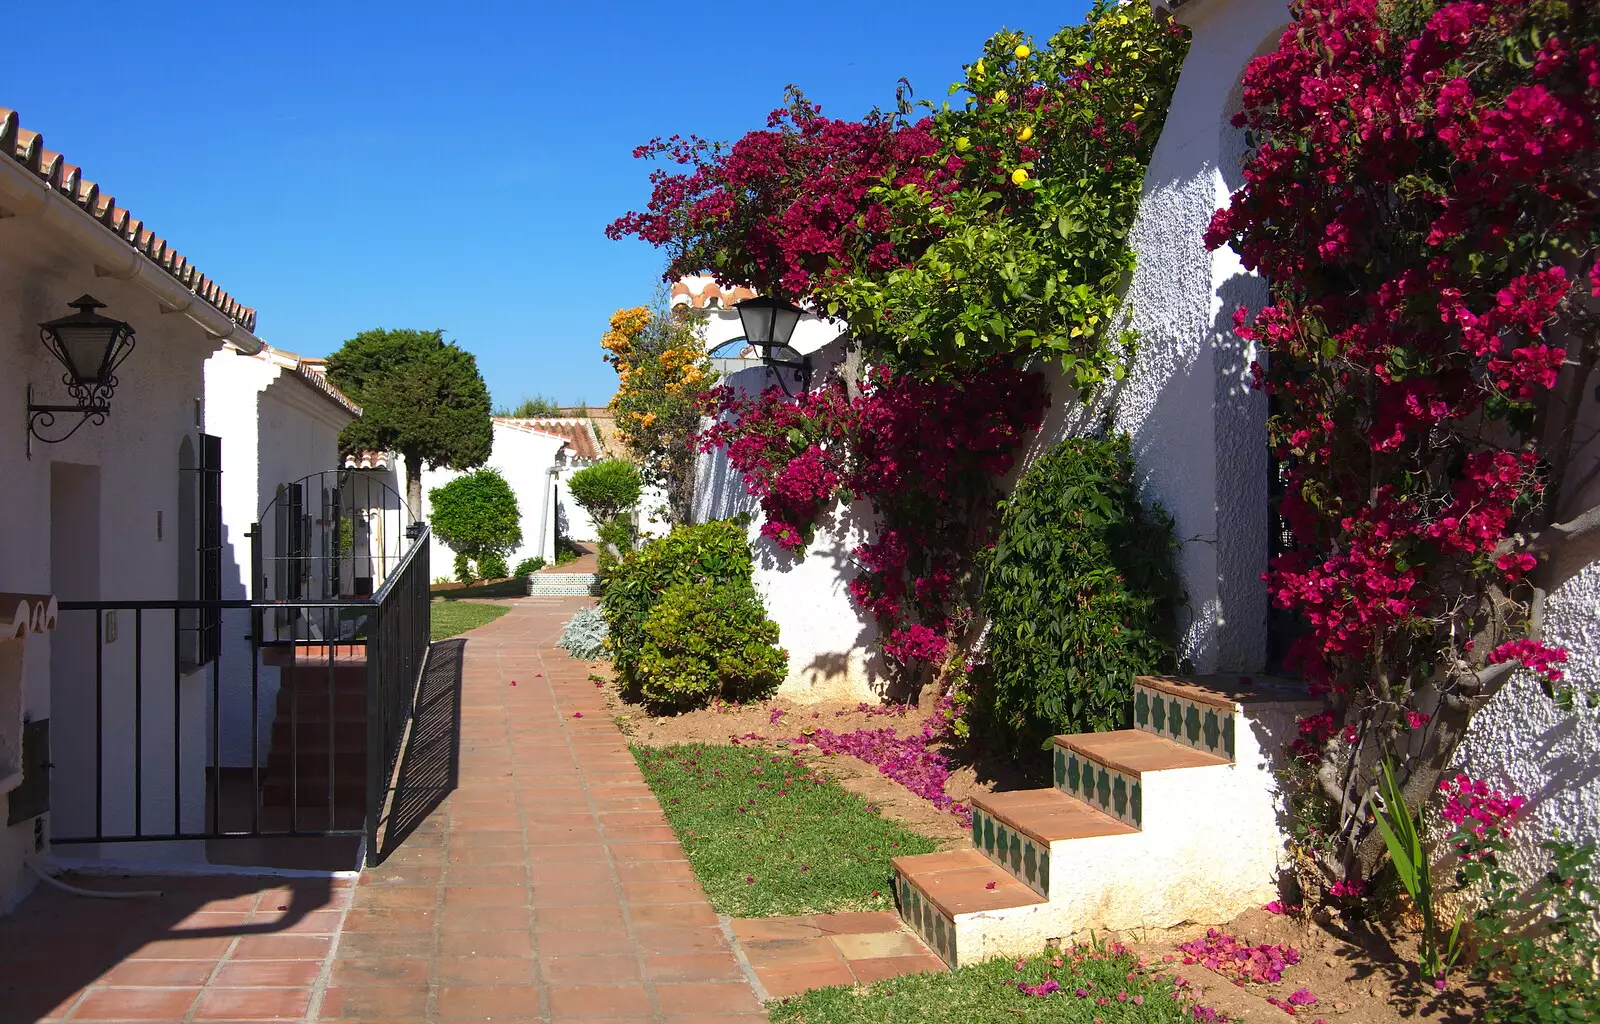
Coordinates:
[292,729]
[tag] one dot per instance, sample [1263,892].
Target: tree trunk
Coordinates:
[414,487]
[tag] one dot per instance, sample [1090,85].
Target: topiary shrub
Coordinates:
[702,642]
[463,568]
[476,514]
[492,566]
[1081,593]
[528,566]
[606,490]
[616,539]
[708,555]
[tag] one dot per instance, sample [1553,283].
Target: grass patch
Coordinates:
[452,618]
[988,993]
[766,835]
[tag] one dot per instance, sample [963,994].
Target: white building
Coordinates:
[279,421]
[116,511]
[537,457]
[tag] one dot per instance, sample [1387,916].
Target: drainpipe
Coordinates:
[547,515]
[27,196]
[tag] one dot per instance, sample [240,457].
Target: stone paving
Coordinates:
[535,880]
[532,877]
[793,954]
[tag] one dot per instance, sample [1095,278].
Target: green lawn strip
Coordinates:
[767,836]
[450,618]
[987,993]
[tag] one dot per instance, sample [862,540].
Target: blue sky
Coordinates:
[341,166]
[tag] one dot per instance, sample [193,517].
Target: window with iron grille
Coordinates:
[209,640]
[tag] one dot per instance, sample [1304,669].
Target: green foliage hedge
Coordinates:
[492,566]
[529,566]
[1081,593]
[606,490]
[477,515]
[711,559]
[702,642]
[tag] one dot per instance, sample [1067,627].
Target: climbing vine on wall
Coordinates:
[956,248]
[1422,197]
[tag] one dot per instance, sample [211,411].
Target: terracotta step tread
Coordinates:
[957,882]
[1226,691]
[1133,752]
[1049,815]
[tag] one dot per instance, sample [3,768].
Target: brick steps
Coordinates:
[318,709]
[1150,826]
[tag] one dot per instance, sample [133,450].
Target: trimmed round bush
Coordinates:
[492,566]
[606,490]
[704,642]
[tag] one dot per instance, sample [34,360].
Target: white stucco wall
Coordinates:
[276,429]
[832,646]
[524,459]
[131,464]
[1190,383]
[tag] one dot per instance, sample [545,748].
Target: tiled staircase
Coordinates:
[1172,821]
[561,584]
[319,732]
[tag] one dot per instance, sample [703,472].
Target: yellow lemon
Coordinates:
[1001,96]
[977,70]
[1025,134]
[963,144]
[1019,176]
[1022,52]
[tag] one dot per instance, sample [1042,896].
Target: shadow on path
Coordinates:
[430,764]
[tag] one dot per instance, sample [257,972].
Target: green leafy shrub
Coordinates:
[702,642]
[606,490]
[709,554]
[616,538]
[1539,953]
[492,566]
[1081,594]
[476,514]
[528,566]
[463,568]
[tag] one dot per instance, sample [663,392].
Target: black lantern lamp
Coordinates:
[769,323]
[91,347]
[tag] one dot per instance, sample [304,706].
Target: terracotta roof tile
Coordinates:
[577,431]
[27,148]
[372,460]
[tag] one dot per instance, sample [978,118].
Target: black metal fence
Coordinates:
[292,727]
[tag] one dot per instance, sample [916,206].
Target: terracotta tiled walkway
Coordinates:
[548,886]
[541,883]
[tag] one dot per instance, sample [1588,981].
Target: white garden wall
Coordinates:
[527,459]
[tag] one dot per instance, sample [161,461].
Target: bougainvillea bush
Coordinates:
[996,225]
[1081,594]
[956,248]
[1422,197]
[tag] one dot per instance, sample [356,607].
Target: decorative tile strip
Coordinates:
[1193,724]
[1111,791]
[932,927]
[1020,855]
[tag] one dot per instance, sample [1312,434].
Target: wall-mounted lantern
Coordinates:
[769,323]
[90,347]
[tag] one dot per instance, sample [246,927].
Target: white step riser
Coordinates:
[561,584]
